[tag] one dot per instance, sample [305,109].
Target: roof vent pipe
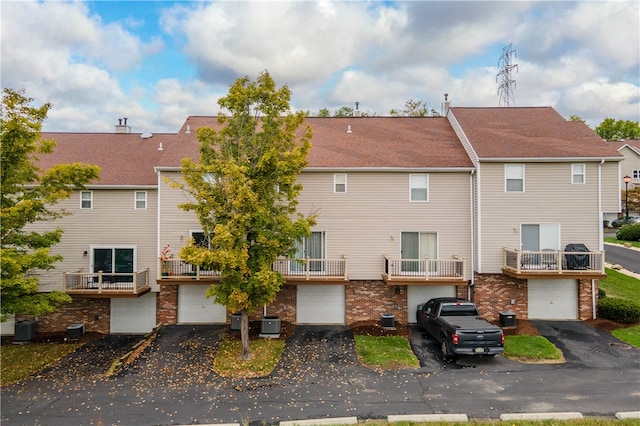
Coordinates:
[188,129]
[123,128]
[349,129]
[445,105]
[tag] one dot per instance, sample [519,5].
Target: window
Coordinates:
[311,247]
[339,183]
[514,177]
[419,187]
[635,174]
[577,173]
[114,260]
[415,247]
[141,199]
[200,239]
[86,200]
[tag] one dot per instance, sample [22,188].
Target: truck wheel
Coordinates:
[444,347]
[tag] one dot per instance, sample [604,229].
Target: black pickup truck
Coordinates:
[457,326]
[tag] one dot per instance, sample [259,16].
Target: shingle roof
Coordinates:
[124,158]
[532,132]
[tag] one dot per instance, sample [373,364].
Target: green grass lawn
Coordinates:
[621,286]
[385,352]
[20,361]
[531,348]
[621,242]
[265,354]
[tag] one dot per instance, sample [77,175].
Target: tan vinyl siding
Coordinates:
[549,197]
[611,187]
[113,221]
[175,223]
[366,222]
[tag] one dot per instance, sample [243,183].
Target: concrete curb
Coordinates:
[570,415]
[628,415]
[328,421]
[428,418]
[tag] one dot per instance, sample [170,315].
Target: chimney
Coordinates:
[123,128]
[445,105]
[356,113]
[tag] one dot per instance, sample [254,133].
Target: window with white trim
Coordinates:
[578,172]
[340,183]
[140,200]
[86,199]
[514,177]
[419,187]
[635,174]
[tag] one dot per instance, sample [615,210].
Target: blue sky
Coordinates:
[157,62]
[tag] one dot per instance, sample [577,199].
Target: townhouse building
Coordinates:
[500,205]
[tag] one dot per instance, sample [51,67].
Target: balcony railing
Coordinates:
[312,269]
[553,262]
[416,270]
[107,283]
[179,269]
[307,269]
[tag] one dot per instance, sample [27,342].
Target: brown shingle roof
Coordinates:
[538,132]
[124,158]
[375,142]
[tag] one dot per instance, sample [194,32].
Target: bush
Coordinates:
[619,310]
[601,293]
[629,232]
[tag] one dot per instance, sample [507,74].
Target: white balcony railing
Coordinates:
[553,261]
[425,269]
[107,282]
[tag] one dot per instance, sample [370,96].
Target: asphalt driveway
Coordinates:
[172,382]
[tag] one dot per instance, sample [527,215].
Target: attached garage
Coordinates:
[195,308]
[553,299]
[320,304]
[417,295]
[133,316]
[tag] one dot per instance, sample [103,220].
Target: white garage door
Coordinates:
[417,295]
[8,327]
[133,316]
[320,304]
[553,299]
[195,308]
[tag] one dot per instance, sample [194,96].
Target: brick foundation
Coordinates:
[493,294]
[95,314]
[365,300]
[167,305]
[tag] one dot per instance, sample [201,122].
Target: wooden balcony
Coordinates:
[424,271]
[177,271]
[312,270]
[553,264]
[106,284]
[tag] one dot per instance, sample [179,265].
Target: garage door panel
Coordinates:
[320,304]
[417,295]
[553,299]
[133,316]
[195,308]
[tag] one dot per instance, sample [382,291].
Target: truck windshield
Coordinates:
[458,311]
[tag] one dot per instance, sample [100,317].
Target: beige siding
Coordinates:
[611,182]
[365,223]
[176,224]
[549,197]
[112,221]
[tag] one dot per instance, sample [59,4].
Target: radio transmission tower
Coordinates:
[507,84]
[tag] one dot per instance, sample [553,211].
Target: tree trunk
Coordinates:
[244,335]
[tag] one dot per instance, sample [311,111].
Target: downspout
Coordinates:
[594,296]
[159,173]
[471,204]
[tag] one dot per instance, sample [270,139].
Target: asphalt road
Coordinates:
[319,376]
[627,258]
